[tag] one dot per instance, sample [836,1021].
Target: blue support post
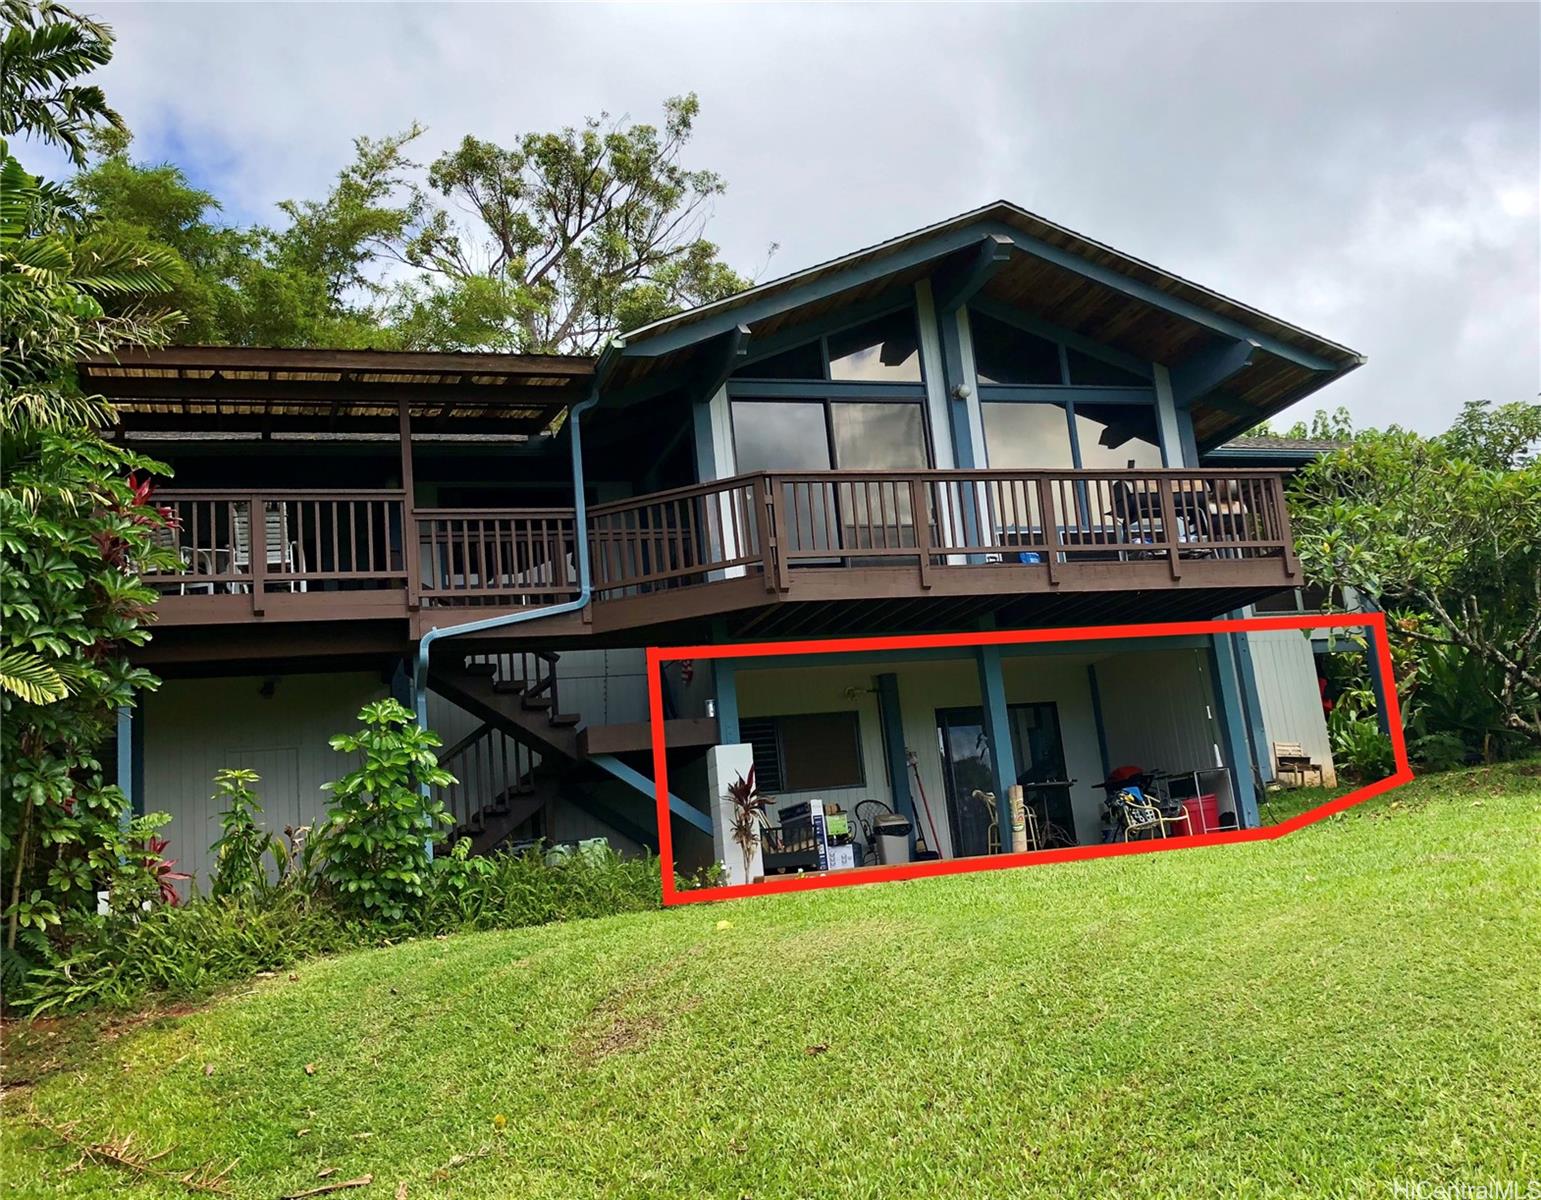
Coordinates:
[992,698]
[126,764]
[725,687]
[1102,732]
[1232,719]
[1252,705]
[892,719]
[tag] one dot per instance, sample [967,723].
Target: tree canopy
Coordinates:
[1444,533]
[552,243]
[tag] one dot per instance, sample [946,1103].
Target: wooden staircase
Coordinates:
[511,767]
[527,753]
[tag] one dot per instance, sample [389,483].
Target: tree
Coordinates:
[45,49]
[1444,533]
[246,285]
[76,525]
[570,237]
[1334,426]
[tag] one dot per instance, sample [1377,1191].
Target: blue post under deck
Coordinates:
[1231,716]
[992,698]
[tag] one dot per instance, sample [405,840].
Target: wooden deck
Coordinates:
[762,553]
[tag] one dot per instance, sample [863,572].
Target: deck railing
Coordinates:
[774,523]
[261,543]
[504,557]
[770,525]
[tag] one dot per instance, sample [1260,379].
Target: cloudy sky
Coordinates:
[1370,172]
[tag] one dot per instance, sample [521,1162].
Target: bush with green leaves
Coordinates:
[240,854]
[126,958]
[374,843]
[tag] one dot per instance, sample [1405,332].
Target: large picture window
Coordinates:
[818,435]
[1036,435]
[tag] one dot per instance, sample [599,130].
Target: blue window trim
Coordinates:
[1066,339]
[1071,397]
[822,395]
[849,319]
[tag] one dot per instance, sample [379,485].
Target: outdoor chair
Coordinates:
[1291,758]
[867,812]
[282,554]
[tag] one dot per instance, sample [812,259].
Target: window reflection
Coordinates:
[1004,354]
[878,436]
[1117,435]
[1027,436]
[1088,371]
[886,349]
[780,435]
[800,362]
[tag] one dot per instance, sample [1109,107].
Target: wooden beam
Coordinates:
[953,287]
[1202,372]
[325,394]
[386,362]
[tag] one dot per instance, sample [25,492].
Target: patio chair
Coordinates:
[282,553]
[867,812]
[1291,758]
[1140,816]
[167,538]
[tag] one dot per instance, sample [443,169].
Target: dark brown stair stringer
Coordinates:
[477,692]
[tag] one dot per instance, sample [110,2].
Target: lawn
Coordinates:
[1355,1004]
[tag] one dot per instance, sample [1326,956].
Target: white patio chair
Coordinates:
[282,553]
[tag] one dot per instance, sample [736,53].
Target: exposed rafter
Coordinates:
[953,287]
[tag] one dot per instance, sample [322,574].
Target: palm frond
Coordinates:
[30,679]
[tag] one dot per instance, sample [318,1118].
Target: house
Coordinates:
[991,422]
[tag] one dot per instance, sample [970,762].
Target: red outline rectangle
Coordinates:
[657,656]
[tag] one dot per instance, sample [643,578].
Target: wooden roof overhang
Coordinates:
[267,392]
[1231,364]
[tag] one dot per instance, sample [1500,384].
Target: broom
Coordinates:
[925,805]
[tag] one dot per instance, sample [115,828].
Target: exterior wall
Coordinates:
[923,689]
[1285,668]
[195,727]
[1158,708]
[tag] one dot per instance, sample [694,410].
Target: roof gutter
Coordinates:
[602,369]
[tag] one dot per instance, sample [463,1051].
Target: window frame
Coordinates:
[744,377]
[826,403]
[777,731]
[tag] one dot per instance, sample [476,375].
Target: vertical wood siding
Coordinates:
[1286,685]
[194,727]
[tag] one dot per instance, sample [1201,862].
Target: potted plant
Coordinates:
[749,817]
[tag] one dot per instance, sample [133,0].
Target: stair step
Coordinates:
[484,670]
[565,719]
[535,702]
[508,687]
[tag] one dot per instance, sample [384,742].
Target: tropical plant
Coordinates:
[45,49]
[1444,533]
[56,279]
[749,816]
[76,524]
[375,844]
[241,851]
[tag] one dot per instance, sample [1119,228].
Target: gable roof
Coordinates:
[1057,275]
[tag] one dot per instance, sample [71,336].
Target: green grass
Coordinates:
[1321,1015]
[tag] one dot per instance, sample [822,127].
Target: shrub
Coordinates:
[374,844]
[239,869]
[120,960]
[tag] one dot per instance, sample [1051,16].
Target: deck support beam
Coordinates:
[997,723]
[1231,718]
[891,719]
[677,807]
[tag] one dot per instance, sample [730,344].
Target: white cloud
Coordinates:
[1367,171]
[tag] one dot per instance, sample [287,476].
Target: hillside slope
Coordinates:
[1355,1004]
